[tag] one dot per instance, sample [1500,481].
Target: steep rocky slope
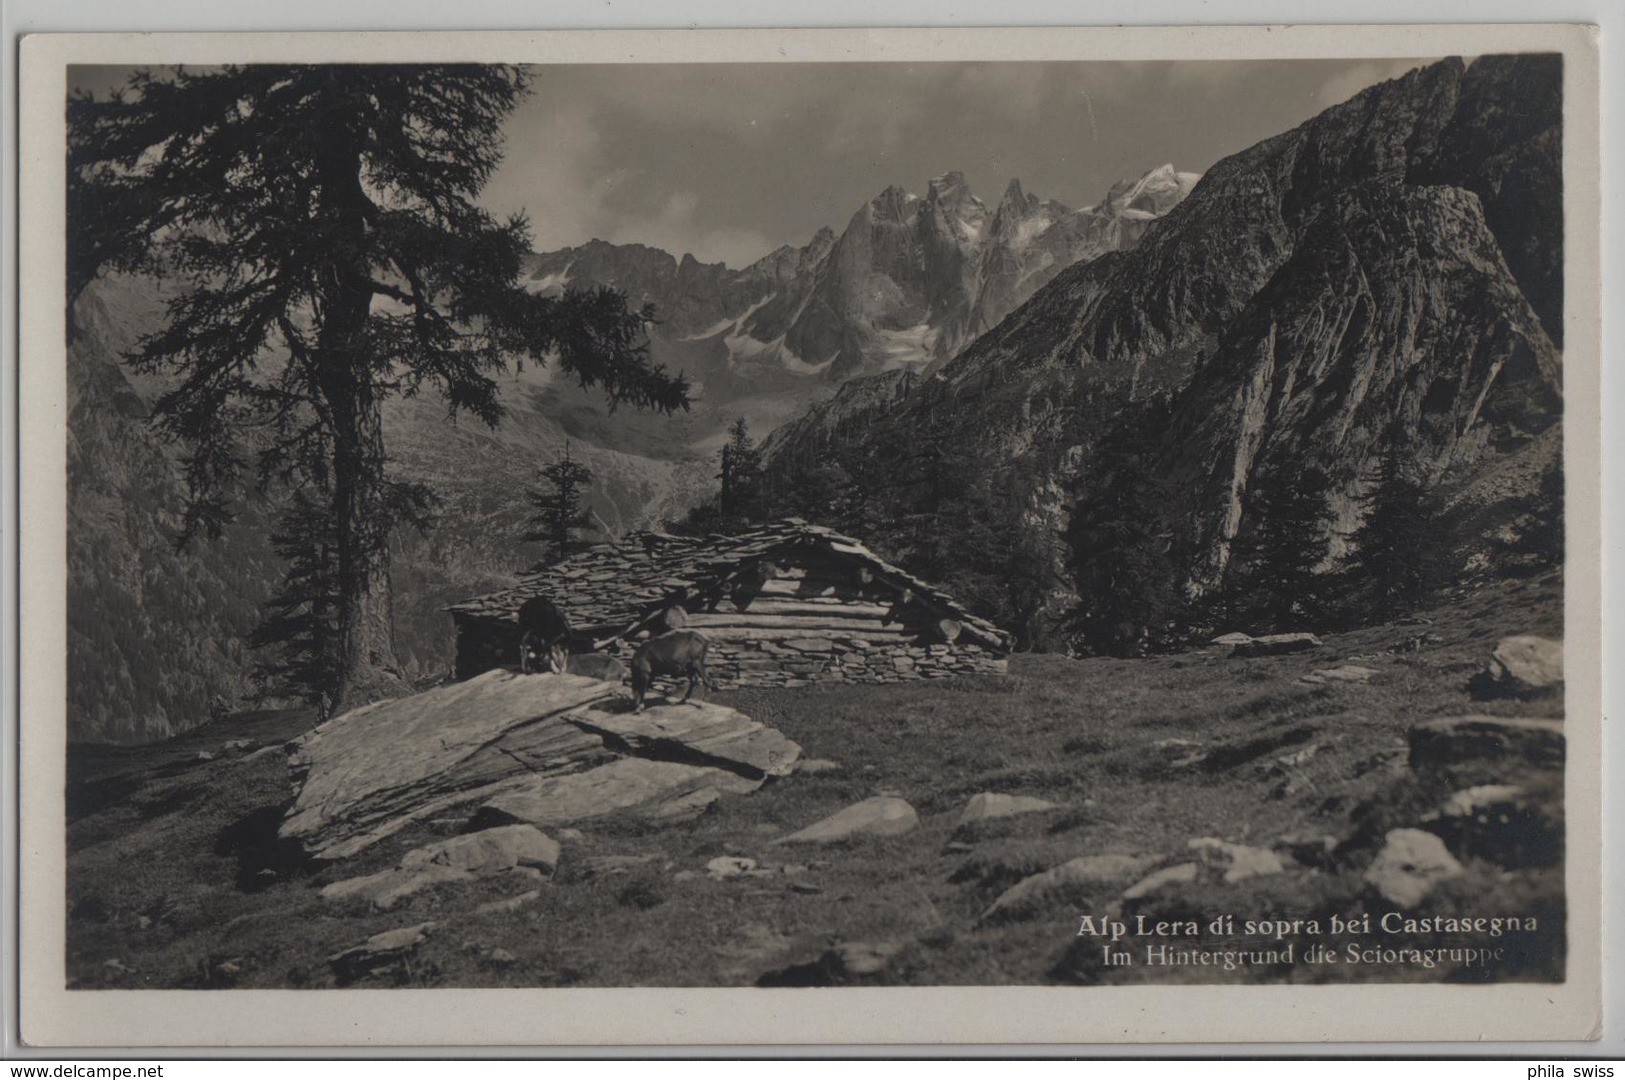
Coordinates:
[1383,272]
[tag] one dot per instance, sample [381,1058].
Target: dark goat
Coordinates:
[544,633]
[677,653]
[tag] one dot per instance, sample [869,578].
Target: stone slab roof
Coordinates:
[615,586]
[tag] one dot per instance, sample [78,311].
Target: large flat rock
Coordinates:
[371,772]
[699,732]
[655,790]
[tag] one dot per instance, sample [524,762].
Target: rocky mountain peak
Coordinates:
[895,204]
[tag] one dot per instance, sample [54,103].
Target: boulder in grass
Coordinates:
[880,816]
[1524,666]
[489,851]
[1409,866]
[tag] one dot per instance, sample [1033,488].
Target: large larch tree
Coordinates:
[320,228]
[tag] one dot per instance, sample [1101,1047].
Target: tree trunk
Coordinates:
[366,665]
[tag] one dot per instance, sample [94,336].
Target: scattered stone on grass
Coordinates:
[1409,866]
[1170,875]
[1416,643]
[605,865]
[1347,673]
[1180,753]
[848,962]
[988,804]
[1231,863]
[1275,645]
[1073,881]
[1523,666]
[728,866]
[879,816]
[205,755]
[814,766]
[379,951]
[501,958]
[574,836]
[510,904]
[1233,638]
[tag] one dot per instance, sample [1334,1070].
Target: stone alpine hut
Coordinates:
[786,604]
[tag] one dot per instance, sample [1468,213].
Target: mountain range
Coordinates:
[906,285]
[1383,279]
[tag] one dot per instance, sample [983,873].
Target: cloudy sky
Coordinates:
[728,161]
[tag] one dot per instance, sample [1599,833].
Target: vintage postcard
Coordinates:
[806,537]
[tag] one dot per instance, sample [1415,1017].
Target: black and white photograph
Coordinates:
[850,523]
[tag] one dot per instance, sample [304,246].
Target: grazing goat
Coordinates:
[677,653]
[544,635]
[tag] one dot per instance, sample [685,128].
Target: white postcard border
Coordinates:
[52,1015]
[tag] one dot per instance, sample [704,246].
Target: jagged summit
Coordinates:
[909,281]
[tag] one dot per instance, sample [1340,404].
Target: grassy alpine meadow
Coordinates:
[176,879]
